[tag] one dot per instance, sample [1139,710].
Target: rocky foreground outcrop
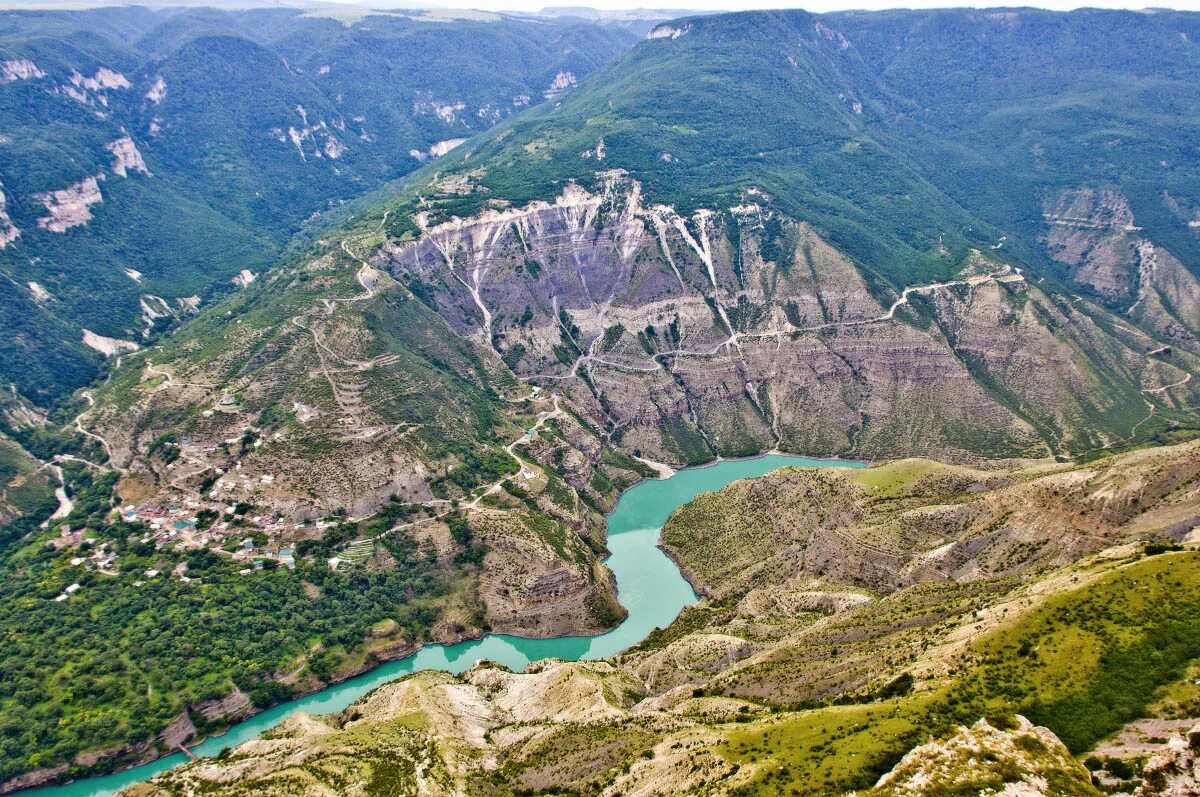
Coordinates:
[1008,756]
[1175,772]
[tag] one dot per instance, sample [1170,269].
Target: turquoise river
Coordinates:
[648,583]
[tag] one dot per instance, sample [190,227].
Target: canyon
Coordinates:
[407,426]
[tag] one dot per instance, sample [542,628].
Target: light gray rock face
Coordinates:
[70,206]
[1175,772]
[1095,235]
[8,230]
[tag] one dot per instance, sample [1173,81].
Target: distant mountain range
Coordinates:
[150,156]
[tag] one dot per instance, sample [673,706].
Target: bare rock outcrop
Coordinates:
[106,345]
[233,706]
[157,91]
[312,139]
[1017,760]
[1174,772]
[19,69]
[93,90]
[71,206]
[8,230]
[531,588]
[126,157]
[1094,234]
[1090,232]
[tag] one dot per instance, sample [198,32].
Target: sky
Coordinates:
[679,7]
[810,5]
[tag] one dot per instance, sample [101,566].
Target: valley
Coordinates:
[651,590]
[128,133]
[360,489]
[744,689]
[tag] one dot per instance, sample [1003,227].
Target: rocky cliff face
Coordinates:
[70,206]
[1094,234]
[734,330]
[1174,772]
[563,339]
[342,381]
[8,230]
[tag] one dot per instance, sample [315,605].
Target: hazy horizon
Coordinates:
[533,6]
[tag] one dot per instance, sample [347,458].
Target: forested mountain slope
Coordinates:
[696,253]
[150,156]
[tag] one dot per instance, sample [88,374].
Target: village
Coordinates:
[215,522]
[222,514]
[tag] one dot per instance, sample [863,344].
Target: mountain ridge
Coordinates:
[243,123]
[454,385]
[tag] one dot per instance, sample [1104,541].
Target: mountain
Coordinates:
[856,627]
[150,157]
[638,20]
[25,489]
[747,233]
[1061,319]
[453,501]
[698,287]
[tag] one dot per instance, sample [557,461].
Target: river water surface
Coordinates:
[649,586]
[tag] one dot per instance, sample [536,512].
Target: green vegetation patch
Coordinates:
[1083,663]
[142,647]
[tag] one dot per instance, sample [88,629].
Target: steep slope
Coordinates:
[25,489]
[751,313]
[327,452]
[813,682]
[151,156]
[1024,105]
[819,313]
[453,386]
[671,113]
[737,328]
[30,489]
